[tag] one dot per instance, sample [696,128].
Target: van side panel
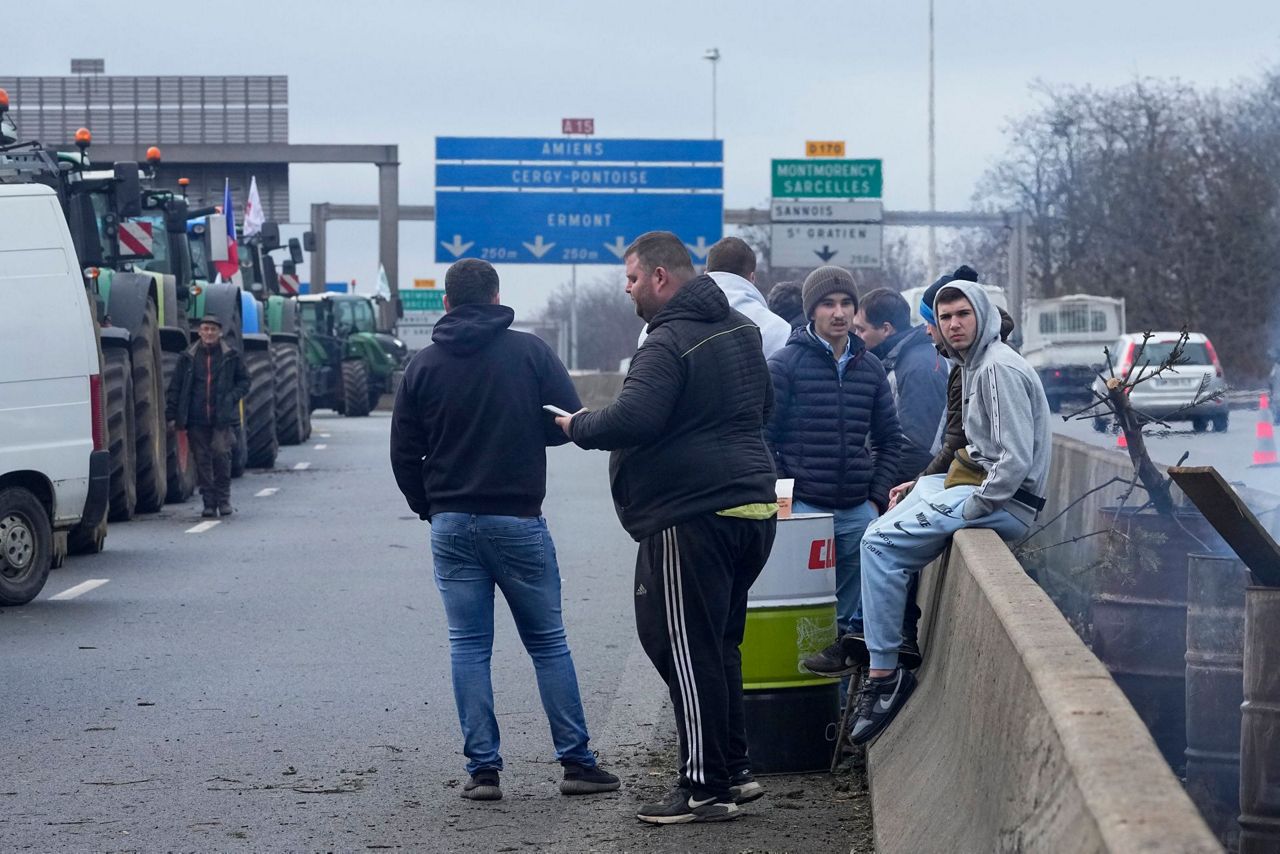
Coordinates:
[47,351]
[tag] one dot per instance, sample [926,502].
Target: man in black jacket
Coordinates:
[835,431]
[693,483]
[468,449]
[204,398]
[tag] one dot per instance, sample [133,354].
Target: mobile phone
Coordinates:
[555,410]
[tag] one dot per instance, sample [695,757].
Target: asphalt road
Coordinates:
[1230,452]
[279,682]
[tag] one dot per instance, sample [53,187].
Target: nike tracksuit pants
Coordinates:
[691,610]
[901,543]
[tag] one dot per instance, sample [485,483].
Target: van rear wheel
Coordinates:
[26,546]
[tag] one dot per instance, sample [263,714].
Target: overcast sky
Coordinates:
[406,72]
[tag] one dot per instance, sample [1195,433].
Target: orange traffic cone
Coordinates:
[1121,441]
[1264,453]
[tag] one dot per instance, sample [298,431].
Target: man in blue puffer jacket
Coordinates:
[834,430]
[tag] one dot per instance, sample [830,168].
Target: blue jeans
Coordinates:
[472,554]
[850,524]
[901,543]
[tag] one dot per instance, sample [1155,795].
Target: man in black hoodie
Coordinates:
[468,448]
[694,484]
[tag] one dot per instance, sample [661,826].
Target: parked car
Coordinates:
[1179,394]
[54,465]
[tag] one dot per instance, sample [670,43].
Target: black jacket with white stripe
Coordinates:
[687,427]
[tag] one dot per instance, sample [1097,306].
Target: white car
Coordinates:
[54,466]
[1181,393]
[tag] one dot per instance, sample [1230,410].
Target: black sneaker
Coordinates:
[225,509]
[587,780]
[679,807]
[831,662]
[878,702]
[744,788]
[483,786]
[209,512]
[855,648]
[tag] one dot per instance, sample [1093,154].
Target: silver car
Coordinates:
[1182,393]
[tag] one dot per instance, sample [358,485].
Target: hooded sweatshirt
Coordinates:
[745,297]
[468,433]
[1005,415]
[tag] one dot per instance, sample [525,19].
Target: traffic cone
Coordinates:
[1121,441]
[1264,452]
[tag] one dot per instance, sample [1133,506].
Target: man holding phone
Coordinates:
[468,448]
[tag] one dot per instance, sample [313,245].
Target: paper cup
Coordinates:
[785,487]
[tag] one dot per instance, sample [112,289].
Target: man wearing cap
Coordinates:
[835,431]
[204,399]
[996,481]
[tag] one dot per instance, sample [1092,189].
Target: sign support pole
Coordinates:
[573,317]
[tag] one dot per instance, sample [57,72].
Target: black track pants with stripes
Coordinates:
[691,609]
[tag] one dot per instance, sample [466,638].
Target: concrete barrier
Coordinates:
[1016,738]
[596,390]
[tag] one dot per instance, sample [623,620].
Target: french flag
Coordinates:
[231,266]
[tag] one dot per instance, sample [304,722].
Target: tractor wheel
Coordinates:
[117,385]
[355,388]
[304,400]
[148,418]
[288,395]
[240,453]
[26,546]
[260,410]
[89,537]
[180,465]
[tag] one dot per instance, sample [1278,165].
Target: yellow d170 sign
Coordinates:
[424,283]
[824,148]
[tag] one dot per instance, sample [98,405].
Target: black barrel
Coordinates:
[1260,724]
[1140,617]
[792,730]
[1215,689]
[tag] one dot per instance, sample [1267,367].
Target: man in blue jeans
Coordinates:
[996,481]
[834,430]
[468,448]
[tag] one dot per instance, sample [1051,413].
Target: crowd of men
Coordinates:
[903,434]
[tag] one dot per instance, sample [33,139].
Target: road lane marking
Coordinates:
[320,447]
[202,527]
[82,587]
[263,493]
[324,435]
[301,466]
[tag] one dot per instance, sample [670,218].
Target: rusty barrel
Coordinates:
[1260,724]
[1215,689]
[1140,617]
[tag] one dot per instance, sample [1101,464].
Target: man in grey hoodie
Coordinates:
[1000,477]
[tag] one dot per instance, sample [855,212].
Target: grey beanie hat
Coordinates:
[823,281]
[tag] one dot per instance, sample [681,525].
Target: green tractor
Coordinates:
[350,362]
[138,313]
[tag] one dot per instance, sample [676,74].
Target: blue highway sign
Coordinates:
[569,228]
[579,176]
[555,149]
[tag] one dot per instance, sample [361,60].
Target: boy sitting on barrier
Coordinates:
[994,482]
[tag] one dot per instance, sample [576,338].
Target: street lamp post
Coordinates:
[713,56]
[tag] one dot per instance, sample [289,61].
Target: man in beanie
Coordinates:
[468,450]
[996,481]
[693,484]
[835,431]
[204,397]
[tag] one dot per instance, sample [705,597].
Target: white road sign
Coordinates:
[813,244]
[816,210]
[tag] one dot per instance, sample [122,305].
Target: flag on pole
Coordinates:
[231,266]
[253,215]
[384,286]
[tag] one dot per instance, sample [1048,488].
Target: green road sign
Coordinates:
[828,179]
[422,299]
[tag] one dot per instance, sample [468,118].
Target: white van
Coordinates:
[54,466]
